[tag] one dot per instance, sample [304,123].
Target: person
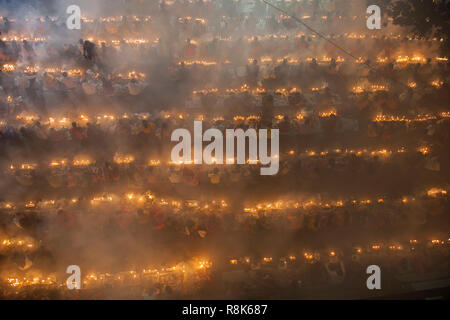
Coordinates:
[256,48]
[267,111]
[107,85]
[282,72]
[6,25]
[253,73]
[190,49]
[147,127]
[175,175]
[134,88]
[190,177]
[144,136]
[89,50]
[214,176]
[76,133]
[68,82]
[49,81]
[89,87]
[3,50]
[27,50]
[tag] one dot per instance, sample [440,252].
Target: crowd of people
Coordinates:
[86,118]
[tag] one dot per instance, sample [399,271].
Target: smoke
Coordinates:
[137,84]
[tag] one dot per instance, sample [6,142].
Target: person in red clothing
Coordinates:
[302,44]
[157,219]
[190,49]
[76,132]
